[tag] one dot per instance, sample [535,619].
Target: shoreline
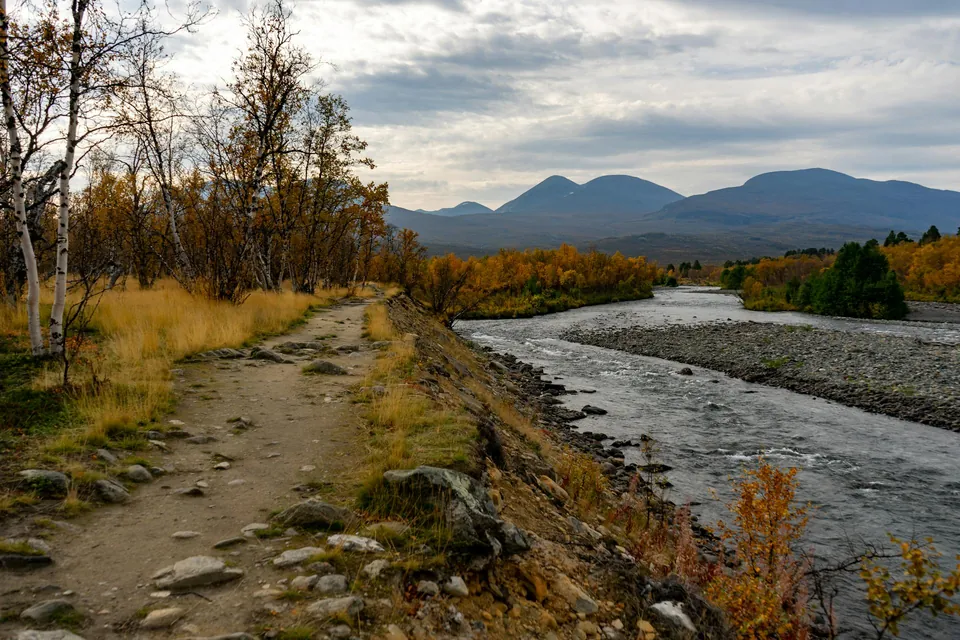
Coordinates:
[900,377]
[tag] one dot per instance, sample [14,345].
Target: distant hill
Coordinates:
[811,207]
[817,196]
[462,209]
[606,194]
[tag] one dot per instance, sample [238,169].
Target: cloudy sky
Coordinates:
[481,99]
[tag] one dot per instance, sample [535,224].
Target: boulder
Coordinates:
[591,410]
[197,571]
[111,491]
[333,607]
[315,513]
[468,512]
[45,611]
[161,618]
[304,583]
[138,473]
[324,367]
[355,543]
[45,483]
[106,456]
[293,557]
[686,371]
[553,489]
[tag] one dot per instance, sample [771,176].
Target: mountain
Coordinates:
[816,197]
[620,195]
[462,209]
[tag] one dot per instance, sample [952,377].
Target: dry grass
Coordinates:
[377,325]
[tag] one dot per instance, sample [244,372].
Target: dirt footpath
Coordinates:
[300,435]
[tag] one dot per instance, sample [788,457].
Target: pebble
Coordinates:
[428,588]
[185,535]
[161,618]
[455,586]
[222,466]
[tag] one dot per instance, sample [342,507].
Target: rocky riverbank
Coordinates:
[902,377]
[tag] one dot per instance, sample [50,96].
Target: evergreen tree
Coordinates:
[931,235]
[860,284]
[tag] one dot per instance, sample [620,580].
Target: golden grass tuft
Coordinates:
[377,325]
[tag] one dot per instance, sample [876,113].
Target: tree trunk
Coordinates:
[63,224]
[19,202]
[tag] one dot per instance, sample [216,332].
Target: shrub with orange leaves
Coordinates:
[766,596]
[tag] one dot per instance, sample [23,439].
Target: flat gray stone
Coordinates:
[45,611]
[230,542]
[197,571]
[455,586]
[428,588]
[57,634]
[332,607]
[332,585]
[200,439]
[161,618]
[324,367]
[375,568]
[106,456]
[293,557]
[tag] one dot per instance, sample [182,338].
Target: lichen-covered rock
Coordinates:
[45,611]
[469,514]
[293,557]
[355,543]
[324,367]
[45,482]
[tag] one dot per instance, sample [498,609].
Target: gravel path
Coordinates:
[902,377]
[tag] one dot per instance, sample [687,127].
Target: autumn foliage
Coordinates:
[765,597]
[928,271]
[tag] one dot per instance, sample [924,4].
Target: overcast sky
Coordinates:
[481,99]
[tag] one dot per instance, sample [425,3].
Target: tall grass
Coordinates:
[123,377]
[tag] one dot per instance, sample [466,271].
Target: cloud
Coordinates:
[859,9]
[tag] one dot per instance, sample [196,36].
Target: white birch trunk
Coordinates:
[63,222]
[19,203]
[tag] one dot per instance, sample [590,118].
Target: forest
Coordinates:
[869,281]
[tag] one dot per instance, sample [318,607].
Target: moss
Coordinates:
[20,548]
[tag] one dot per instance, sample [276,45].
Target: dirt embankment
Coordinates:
[897,376]
[257,517]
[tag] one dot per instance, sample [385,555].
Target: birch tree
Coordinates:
[18,196]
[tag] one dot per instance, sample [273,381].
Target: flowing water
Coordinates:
[866,474]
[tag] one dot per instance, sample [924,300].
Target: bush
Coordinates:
[860,284]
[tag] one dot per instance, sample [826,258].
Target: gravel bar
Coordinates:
[901,377]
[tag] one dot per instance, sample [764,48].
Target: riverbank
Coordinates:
[897,376]
[507,307]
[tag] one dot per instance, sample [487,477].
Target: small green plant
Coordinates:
[776,363]
[300,632]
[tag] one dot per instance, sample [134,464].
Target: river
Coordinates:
[866,475]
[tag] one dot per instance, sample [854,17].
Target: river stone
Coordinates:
[455,586]
[138,473]
[293,557]
[332,585]
[184,535]
[355,543]
[591,410]
[45,611]
[326,368]
[333,607]
[468,511]
[111,491]
[197,571]
[161,618]
[686,371]
[315,513]
[56,634]
[45,482]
